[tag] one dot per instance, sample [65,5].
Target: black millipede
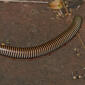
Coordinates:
[45,48]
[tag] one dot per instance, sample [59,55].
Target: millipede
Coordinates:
[44,48]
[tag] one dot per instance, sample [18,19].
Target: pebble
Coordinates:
[2,43]
[75,49]
[78,54]
[74,77]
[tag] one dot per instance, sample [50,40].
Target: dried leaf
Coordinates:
[56,4]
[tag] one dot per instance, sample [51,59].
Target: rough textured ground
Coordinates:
[31,24]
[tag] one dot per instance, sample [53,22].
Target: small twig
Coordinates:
[65,7]
[24,1]
[81,41]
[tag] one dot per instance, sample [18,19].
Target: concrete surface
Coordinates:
[31,24]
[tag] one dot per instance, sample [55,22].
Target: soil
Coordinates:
[24,24]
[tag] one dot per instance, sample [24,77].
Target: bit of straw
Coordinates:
[65,7]
[82,43]
[40,2]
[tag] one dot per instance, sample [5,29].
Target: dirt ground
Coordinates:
[29,24]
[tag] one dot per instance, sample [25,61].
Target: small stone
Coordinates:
[2,43]
[66,5]
[65,2]
[78,54]
[75,49]
[84,68]
[74,77]
[80,76]
[78,7]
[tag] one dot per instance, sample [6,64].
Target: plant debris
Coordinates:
[80,74]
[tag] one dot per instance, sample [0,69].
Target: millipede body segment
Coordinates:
[36,51]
